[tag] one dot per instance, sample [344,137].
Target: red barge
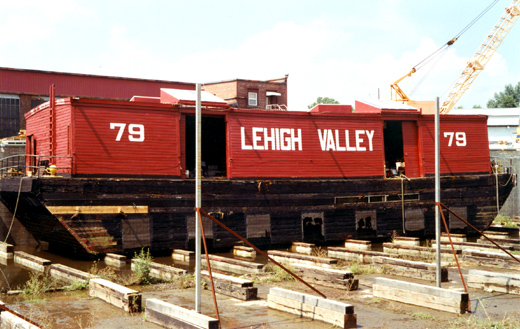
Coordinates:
[113,176]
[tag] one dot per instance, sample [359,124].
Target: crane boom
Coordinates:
[482,56]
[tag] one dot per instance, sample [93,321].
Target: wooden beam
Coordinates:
[66,210]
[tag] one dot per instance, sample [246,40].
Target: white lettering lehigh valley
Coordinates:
[333,141]
[275,139]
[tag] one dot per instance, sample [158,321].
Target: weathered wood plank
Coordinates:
[114,294]
[421,295]
[66,210]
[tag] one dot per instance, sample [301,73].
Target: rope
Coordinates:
[15,208]
[445,46]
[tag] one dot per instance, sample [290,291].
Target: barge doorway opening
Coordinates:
[213,146]
[393,140]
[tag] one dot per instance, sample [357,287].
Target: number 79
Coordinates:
[460,138]
[135,131]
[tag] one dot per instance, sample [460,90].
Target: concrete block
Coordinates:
[172,316]
[114,294]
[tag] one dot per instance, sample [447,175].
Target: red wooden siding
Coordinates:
[411,149]
[311,160]
[469,150]
[97,150]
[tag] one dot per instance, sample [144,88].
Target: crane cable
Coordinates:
[444,47]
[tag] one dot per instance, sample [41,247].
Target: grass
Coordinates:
[476,323]
[424,316]
[142,267]
[38,284]
[506,221]
[278,274]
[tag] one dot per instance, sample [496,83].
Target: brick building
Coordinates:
[240,93]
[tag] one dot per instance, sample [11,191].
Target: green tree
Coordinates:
[508,98]
[477,106]
[323,100]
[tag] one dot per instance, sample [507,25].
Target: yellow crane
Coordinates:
[475,65]
[482,56]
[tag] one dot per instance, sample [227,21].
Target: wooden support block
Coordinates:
[231,286]
[114,294]
[232,265]
[336,313]
[491,259]
[328,277]
[358,244]
[6,248]
[361,256]
[293,258]
[303,248]
[406,241]
[183,255]
[411,269]
[243,251]
[31,262]
[115,260]
[492,281]
[68,274]
[421,295]
[161,271]
[6,257]
[94,210]
[172,316]
[454,237]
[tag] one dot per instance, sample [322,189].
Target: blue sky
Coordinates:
[342,49]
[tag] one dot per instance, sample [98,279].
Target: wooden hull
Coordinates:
[99,215]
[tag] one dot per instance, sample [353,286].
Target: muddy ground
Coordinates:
[77,310]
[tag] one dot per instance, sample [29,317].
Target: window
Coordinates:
[252,98]
[9,115]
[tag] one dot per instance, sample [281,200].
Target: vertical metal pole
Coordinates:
[437,193]
[198,202]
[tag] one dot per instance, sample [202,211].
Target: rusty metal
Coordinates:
[209,266]
[4,308]
[262,253]
[438,204]
[489,239]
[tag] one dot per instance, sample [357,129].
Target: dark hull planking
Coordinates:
[266,212]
